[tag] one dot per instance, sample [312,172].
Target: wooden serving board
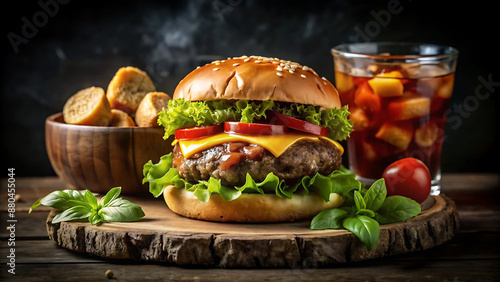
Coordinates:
[163,236]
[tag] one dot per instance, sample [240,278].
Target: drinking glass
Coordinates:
[398,96]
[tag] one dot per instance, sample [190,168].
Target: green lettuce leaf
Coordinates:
[333,119]
[181,113]
[161,174]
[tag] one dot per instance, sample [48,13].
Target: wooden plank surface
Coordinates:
[472,255]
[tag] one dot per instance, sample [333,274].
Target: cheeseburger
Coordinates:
[255,141]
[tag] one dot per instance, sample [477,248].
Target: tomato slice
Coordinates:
[198,131]
[294,123]
[254,128]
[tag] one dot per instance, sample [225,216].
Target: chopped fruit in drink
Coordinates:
[343,82]
[397,134]
[359,119]
[366,99]
[427,134]
[408,108]
[446,88]
[386,87]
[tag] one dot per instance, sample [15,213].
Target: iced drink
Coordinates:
[398,99]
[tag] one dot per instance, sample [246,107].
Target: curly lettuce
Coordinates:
[162,174]
[181,113]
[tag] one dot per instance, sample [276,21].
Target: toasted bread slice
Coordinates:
[121,119]
[127,88]
[147,112]
[88,107]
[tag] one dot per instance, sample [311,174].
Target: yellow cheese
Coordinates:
[276,144]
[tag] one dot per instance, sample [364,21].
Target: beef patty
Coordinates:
[231,162]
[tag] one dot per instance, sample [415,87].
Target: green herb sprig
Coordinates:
[79,206]
[365,210]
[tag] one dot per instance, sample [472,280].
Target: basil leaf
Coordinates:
[35,205]
[120,211]
[90,199]
[110,197]
[365,228]
[328,219]
[358,200]
[366,212]
[72,213]
[397,209]
[62,199]
[375,196]
[94,218]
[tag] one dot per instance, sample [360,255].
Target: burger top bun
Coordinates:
[258,78]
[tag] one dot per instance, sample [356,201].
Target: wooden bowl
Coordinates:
[99,158]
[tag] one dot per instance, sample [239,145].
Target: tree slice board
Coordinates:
[163,236]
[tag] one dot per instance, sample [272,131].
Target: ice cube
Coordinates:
[420,70]
[427,134]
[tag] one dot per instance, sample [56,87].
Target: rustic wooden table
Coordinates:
[472,255]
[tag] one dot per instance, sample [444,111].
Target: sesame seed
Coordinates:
[306,68]
[303,76]
[236,64]
[216,69]
[279,74]
[246,60]
[291,71]
[198,67]
[217,63]
[257,62]
[279,69]
[324,78]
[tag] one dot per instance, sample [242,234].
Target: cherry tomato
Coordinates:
[294,123]
[198,131]
[408,177]
[254,128]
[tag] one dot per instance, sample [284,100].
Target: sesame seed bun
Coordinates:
[248,207]
[258,78]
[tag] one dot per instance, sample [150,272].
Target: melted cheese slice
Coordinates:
[276,144]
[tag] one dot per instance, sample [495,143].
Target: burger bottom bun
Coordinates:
[248,207]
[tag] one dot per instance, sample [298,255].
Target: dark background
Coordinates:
[78,44]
